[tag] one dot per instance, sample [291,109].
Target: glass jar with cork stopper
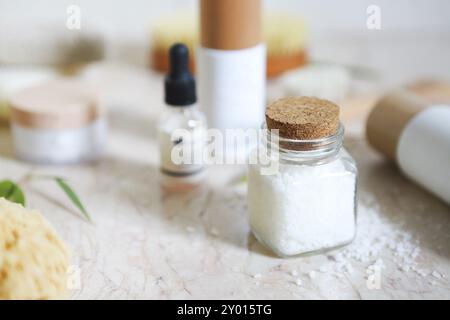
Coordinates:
[307,205]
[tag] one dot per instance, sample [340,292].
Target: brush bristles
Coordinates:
[284,35]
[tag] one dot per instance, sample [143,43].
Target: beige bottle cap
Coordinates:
[60,104]
[388,119]
[303,118]
[434,91]
[230,24]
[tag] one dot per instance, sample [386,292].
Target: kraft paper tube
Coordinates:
[230,24]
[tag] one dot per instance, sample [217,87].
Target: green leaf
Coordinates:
[12,192]
[72,196]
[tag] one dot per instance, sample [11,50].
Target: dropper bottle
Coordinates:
[182,127]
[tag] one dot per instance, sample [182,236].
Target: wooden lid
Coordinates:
[60,104]
[303,118]
[433,91]
[230,24]
[388,119]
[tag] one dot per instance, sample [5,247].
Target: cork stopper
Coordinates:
[303,118]
[230,24]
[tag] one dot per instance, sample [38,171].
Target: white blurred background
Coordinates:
[132,17]
[414,35]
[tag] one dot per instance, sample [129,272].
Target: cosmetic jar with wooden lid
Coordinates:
[58,122]
[16,78]
[415,133]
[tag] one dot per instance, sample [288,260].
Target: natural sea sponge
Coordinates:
[33,259]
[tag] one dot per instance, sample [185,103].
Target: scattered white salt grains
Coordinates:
[190,229]
[436,274]
[214,231]
[405,268]
[323,269]
[374,236]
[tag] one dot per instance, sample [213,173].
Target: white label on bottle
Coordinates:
[232,86]
[182,154]
[423,152]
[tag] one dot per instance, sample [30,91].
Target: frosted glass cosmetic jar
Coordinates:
[59,122]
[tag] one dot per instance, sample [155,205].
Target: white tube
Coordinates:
[232,86]
[423,151]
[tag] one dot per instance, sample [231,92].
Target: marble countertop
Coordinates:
[146,244]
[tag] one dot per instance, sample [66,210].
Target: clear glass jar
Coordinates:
[306,202]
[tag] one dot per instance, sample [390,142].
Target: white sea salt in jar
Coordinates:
[309,204]
[58,122]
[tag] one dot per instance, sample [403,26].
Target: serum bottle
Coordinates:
[182,127]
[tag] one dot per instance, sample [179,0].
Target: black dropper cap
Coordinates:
[179,83]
